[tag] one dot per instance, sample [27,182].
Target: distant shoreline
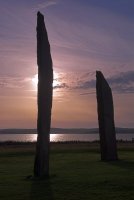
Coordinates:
[65,131]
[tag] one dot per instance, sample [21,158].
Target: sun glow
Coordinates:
[56,82]
[35,80]
[55,79]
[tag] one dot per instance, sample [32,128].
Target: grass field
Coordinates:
[76,173]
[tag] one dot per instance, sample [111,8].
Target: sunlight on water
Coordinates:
[60,137]
[53,137]
[33,137]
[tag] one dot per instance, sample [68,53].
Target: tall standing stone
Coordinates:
[45,80]
[106,119]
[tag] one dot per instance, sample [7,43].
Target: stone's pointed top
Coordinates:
[101,79]
[98,73]
[40,15]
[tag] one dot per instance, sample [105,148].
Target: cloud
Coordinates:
[123,82]
[12,82]
[120,83]
[87,93]
[45,4]
[85,83]
[75,80]
[61,86]
[122,78]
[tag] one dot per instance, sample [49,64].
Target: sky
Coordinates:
[85,36]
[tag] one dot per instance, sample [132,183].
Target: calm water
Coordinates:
[61,137]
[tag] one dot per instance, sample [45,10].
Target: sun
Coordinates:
[35,80]
[55,80]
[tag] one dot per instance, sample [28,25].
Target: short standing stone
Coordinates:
[106,119]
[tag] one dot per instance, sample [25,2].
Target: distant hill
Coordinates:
[124,130]
[64,131]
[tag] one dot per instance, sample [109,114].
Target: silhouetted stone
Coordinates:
[106,119]
[45,79]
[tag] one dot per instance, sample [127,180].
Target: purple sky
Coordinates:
[85,36]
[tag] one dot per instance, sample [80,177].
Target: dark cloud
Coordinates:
[123,82]
[86,84]
[120,83]
[122,78]
[61,86]
[87,93]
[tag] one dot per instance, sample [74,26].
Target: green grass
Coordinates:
[76,173]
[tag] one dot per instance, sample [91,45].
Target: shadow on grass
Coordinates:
[40,190]
[128,165]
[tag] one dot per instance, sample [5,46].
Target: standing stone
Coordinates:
[106,119]
[45,80]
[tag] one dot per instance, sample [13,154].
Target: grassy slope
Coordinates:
[76,173]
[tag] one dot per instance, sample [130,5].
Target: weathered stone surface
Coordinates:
[45,80]
[106,119]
